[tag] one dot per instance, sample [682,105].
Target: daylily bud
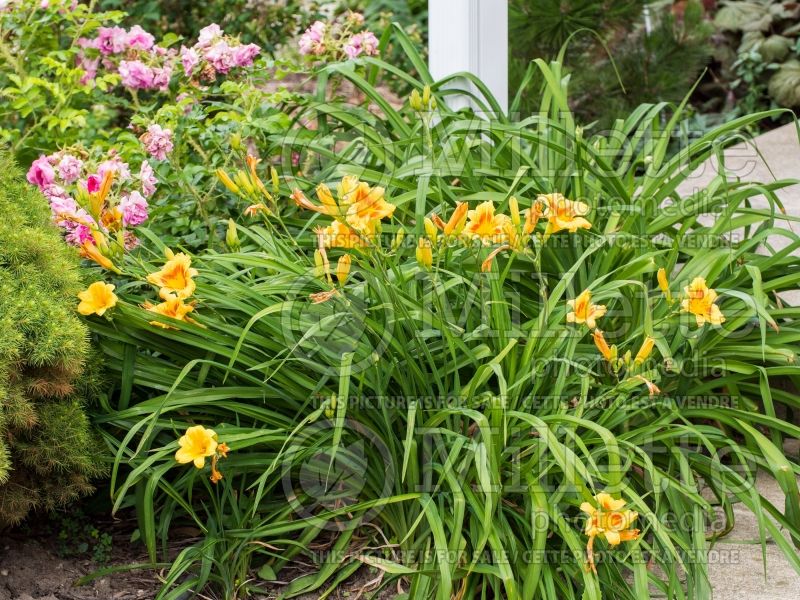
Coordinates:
[486,265]
[343,268]
[228,182]
[236,141]
[627,357]
[513,207]
[319,264]
[426,96]
[243,181]
[398,238]
[415,101]
[232,237]
[430,230]
[457,220]
[330,411]
[433,104]
[601,344]
[424,253]
[663,284]
[92,252]
[644,351]
[273,173]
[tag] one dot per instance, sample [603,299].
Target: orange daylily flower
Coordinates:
[173,308]
[97,299]
[608,519]
[175,278]
[359,205]
[485,225]
[700,302]
[583,311]
[564,214]
[195,445]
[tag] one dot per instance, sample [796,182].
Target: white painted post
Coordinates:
[470,35]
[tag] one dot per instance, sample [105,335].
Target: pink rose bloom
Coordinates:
[41,173]
[369,43]
[161,77]
[136,75]
[220,56]
[121,170]
[189,59]
[207,35]
[157,141]
[93,183]
[139,39]
[112,40]
[243,55]
[78,233]
[89,66]
[148,179]
[69,168]
[134,209]
[130,240]
[311,40]
[354,46]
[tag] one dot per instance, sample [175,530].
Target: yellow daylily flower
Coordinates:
[607,519]
[700,302]
[97,299]
[175,278]
[173,308]
[485,225]
[196,445]
[339,235]
[583,311]
[564,214]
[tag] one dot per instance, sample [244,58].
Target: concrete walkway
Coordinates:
[737,569]
[736,566]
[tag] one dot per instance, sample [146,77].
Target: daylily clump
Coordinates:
[608,520]
[95,202]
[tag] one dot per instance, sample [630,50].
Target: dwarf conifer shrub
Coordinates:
[47,454]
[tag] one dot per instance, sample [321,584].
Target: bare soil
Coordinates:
[31,570]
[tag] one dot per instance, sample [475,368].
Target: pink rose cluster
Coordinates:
[339,39]
[216,53]
[69,181]
[133,53]
[157,141]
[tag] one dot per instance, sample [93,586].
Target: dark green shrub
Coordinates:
[47,452]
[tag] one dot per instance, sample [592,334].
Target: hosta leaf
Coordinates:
[784,85]
[743,16]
